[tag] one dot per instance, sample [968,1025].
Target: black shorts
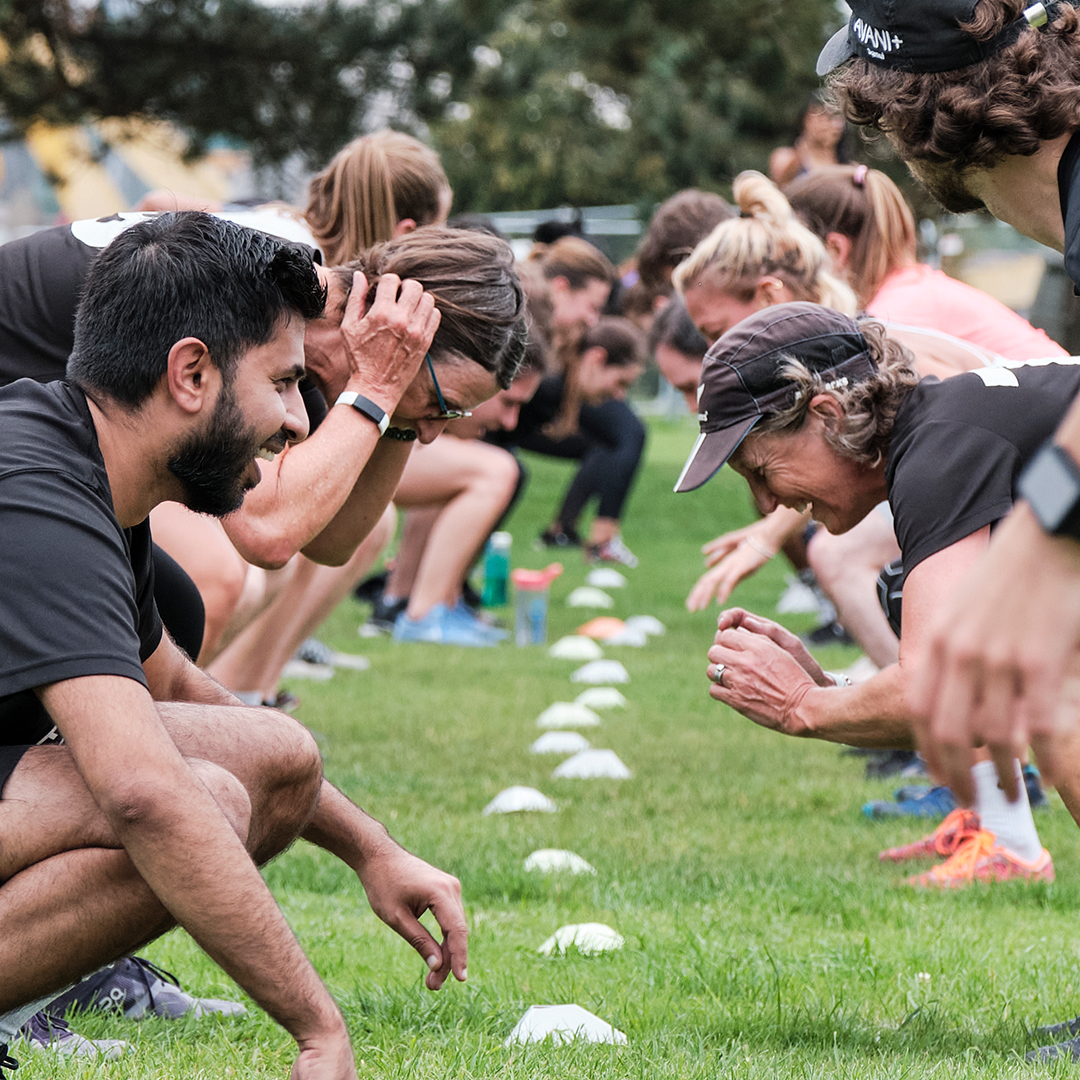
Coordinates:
[10,756]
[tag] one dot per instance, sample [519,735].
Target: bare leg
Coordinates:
[603,529]
[200,546]
[64,914]
[847,568]
[255,659]
[475,482]
[419,522]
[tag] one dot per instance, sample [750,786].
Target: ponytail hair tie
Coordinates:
[858,177]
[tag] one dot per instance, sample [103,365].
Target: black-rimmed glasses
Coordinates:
[444,413]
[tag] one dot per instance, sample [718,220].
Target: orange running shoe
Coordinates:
[944,840]
[982,858]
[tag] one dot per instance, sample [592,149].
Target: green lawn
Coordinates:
[763,936]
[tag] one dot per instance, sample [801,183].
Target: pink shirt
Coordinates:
[921,296]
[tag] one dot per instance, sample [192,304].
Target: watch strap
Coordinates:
[366,407]
[1050,483]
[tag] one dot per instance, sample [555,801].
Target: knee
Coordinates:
[828,559]
[505,477]
[228,792]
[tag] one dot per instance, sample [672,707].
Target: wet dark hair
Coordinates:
[471,276]
[677,227]
[620,339]
[181,275]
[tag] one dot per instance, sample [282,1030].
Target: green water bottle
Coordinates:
[496,569]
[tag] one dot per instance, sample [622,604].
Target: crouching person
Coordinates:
[135,793]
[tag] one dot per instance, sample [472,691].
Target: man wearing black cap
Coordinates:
[982,100]
[816,410]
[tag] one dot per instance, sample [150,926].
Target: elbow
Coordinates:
[135,803]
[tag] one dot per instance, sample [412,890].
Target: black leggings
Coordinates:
[609,443]
[179,603]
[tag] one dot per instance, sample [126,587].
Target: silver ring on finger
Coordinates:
[718,674]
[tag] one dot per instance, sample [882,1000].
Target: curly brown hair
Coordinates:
[1025,94]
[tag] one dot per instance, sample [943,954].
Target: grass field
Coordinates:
[764,939]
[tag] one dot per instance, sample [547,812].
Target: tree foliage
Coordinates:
[532,103]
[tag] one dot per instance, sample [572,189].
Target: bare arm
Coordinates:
[323,484]
[765,680]
[188,854]
[399,886]
[739,554]
[171,676]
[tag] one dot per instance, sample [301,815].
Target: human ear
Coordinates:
[769,290]
[839,248]
[190,374]
[405,226]
[827,409]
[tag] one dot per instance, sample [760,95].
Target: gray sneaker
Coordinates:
[1069,1050]
[49,1031]
[138,988]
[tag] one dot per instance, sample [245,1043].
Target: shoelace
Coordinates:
[957,828]
[6,1060]
[964,860]
[145,966]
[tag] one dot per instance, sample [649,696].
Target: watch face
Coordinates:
[1051,488]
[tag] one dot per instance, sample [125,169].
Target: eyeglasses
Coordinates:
[444,413]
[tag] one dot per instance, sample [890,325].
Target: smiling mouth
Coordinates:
[270,449]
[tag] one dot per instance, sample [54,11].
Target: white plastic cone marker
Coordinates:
[567,714]
[301,669]
[649,623]
[587,596]
[629,635]
[562,1024]
[589,938]
[601,697]
[518,798]
[576,647]
[553,860]
[601,672]
[593,765]
[606,577]
[559,742]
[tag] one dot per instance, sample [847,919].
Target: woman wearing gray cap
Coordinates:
[818,410]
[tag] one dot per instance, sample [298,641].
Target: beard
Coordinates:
[946,186]
[211,463]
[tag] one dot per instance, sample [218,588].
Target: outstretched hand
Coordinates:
[400,888]
[738,561]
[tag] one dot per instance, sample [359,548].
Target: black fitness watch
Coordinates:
[1050,483]
[365,406]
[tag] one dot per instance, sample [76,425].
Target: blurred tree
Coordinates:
[280,80]
[592,101]
[532,103]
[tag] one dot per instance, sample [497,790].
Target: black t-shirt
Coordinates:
[43,276]
[1068,178]
[959,446]
[77,595]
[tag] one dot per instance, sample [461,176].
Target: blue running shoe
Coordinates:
[441,627]
[1033,782]
[468,616]
[936,803]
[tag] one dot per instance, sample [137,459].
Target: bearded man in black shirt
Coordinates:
[158,794]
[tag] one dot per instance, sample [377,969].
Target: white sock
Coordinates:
[1011,823]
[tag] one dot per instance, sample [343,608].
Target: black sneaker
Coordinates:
[554,538]
[371,588]
[1067,1029]
[826,634]
[138,988]
[1036,797]
[1069,1049]
[885,763]
[384,615]
[6,1062]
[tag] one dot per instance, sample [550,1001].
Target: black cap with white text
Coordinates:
[921,35]
[743,378]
